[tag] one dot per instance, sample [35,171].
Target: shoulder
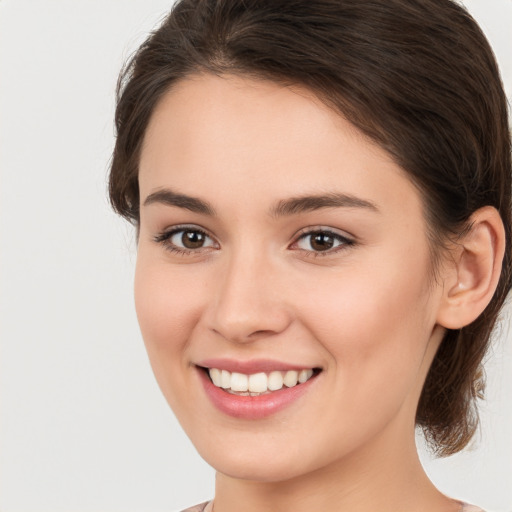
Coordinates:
[202,507]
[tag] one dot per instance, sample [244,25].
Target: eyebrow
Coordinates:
[170,198]
[285,207]
[309,203]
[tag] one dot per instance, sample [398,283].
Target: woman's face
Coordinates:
[277,243]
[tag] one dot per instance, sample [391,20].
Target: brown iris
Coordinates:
[321,241]
[193,239]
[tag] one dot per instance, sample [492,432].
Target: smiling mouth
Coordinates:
[261,383]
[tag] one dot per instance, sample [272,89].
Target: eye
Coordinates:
[322,241]
[185,240]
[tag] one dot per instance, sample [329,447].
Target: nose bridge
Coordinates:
[248,303]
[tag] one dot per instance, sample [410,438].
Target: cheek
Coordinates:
[375,324]
[168,304]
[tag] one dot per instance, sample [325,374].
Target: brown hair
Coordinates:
[416,76]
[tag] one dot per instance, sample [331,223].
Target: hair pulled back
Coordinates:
[417,77]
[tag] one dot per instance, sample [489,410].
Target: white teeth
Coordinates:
[290,378]
[305,375]
[258,382]
[239,382]
[215,374]
[225,379]
[275,381]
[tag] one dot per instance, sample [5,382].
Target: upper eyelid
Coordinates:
[184,227]
[323,229]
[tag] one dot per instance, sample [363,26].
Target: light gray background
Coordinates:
[82,424]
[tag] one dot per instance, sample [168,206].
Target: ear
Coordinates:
[472,275]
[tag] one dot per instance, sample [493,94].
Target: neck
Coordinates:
[375,478]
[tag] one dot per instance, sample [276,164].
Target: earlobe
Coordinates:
[475,270]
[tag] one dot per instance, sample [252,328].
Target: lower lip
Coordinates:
[253,407]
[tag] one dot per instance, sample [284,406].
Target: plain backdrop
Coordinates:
[83,426]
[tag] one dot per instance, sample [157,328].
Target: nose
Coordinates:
[248,301]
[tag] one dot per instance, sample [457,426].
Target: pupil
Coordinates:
[192,239]
[322,242]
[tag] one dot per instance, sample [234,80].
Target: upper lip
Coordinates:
[251,366]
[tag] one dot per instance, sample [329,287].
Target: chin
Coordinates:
[257,470]
[260,464]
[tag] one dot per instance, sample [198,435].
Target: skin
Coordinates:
[366,312]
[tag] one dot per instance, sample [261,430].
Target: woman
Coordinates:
[321,192]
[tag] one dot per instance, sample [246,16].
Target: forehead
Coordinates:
[230,135]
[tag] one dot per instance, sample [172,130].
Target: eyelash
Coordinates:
[344,242]
[164,238]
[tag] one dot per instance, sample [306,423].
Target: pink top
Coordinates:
[201,508]
[466,507]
